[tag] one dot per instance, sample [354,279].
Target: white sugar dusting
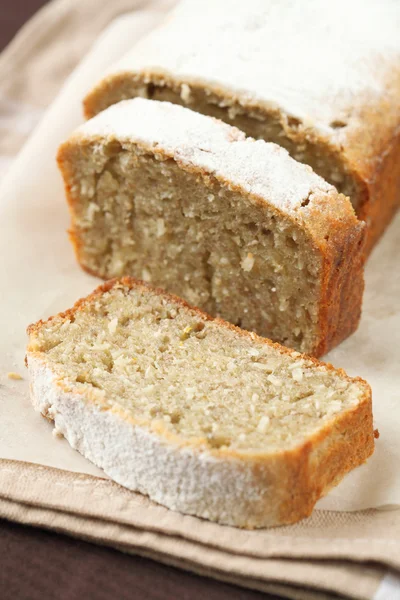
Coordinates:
[313,59]
[195,140]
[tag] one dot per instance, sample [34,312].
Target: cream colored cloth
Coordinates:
[347,554]
[295,558]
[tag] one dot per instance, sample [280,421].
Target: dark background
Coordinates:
[13,14]
[39,565]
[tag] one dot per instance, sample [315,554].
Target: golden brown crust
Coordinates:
[333,229]
[325,459]
[300,475]
[341,239]
[371,150]
[382,198]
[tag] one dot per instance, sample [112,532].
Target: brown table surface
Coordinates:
[36,564]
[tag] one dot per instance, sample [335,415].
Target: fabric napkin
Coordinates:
[345,554]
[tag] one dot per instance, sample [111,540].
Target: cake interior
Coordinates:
[169,366]
[268,124]
[138,214]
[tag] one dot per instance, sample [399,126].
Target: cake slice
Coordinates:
[321,79]
[201,416]
[233,225]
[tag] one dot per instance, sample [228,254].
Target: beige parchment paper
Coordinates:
[39,277]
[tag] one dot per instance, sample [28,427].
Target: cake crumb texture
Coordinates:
[200,415]
[233,225]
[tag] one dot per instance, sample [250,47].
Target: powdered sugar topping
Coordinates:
[257,167]
[315,60]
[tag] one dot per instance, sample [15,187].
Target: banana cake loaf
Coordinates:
[321,79]
[233,225]
[201,416]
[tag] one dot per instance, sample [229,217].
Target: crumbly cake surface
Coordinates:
[263,169]
[203,417]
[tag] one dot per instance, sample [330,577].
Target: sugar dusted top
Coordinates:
[260,168]
[315,60]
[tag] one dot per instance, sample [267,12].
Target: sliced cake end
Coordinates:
[203,417]
[233,225]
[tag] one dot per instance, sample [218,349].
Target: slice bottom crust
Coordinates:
[201,416]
